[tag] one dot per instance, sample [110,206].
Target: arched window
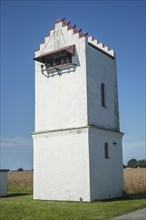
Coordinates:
[102,95]
[106,150]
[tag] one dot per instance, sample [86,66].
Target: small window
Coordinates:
[106,150]
[103,95]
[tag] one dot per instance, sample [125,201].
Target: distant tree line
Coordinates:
[21,169]
[133,163]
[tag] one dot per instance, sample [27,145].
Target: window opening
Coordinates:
[103,95]
[106,150]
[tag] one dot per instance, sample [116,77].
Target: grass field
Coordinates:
[19,205]
[25,208]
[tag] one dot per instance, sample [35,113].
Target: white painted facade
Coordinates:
[61,166]
[3,182]
[106,175]
[71,125]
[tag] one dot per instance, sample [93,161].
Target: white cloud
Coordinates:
[16,142]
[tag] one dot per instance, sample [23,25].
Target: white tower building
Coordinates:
[77,139]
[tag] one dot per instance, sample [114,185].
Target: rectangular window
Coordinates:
[106,151]
[103,95]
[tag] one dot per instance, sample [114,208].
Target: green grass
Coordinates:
[23,207]
[20,189]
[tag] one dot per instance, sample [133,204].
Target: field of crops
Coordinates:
[20,181]
[135,180]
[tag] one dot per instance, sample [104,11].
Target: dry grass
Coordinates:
[20,181]
[135,180]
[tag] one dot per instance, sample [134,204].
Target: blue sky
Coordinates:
[24,24]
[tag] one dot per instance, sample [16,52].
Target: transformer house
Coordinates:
[3,182]
[77,139]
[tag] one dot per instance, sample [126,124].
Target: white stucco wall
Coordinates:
[106,174]
[3,183]
[102,69]
[61,101]
[71,165]
[69,161]
[61,166]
